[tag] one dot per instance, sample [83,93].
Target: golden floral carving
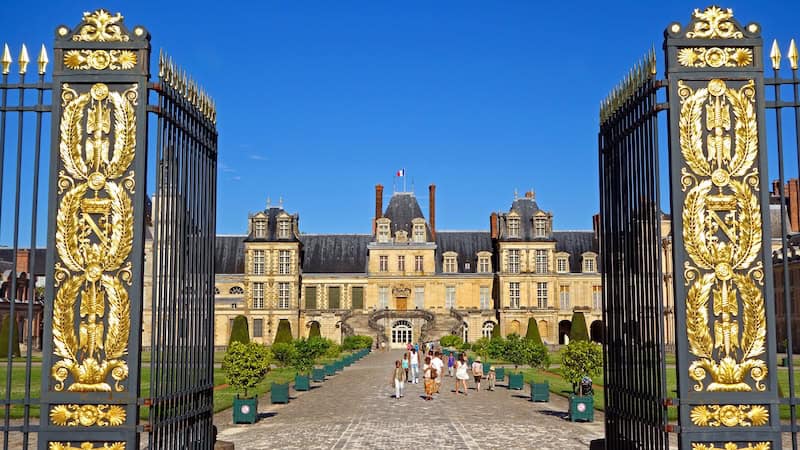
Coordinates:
[87,446]
[101,26]
[733,446]
[714,23]
[100,59]
[715,57]
[94,238]
[87,415]
[722,237]
[729,415]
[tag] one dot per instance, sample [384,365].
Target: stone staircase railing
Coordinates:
[347,330]
[376,316]
[458,329]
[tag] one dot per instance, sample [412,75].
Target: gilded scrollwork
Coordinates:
[715,57]
[87,415]
[729,415]
[732,446]
[101,26]
[100,59]
[87,446]
[714,23]
[725,315]
[94,238]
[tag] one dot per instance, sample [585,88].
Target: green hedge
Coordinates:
[284,333]
[533,332]
[4,329]
[356,342]
[239,332]
[578,330]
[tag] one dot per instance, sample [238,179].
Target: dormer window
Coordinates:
[484,266]
[260,228]
[450,263]
[383,230]
[540,227]
[562,264]
[589,263]
[419,230]
[283,229]
[513,227]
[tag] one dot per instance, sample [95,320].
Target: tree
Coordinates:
[533,332]
[451,341]
[284,333]
[578,330]
[4,330]
[306,351]
[245,365]
[314,331]
[239,331]
[580,359]
[356,342]
[283,353]
[521,352]
[481,347]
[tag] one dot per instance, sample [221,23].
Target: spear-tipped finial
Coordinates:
[23,60]
[775,55]
[792,55]
[42,60]
[6,60]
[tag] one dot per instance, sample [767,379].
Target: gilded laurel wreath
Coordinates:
[94,238]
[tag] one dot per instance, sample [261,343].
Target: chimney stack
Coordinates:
[776,186]
[529,195]
[596,225]
[432,209]
[493,225]
[378,207]
[794,204]
[23,258]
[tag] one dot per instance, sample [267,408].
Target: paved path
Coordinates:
[355,410]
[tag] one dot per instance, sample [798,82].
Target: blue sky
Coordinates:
[319,101]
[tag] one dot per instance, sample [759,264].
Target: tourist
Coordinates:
[461,373]
[427,373]
[477,372]
[398,379]
[405,364]
[438,364]
[414,363]
[491,379]
[451,362]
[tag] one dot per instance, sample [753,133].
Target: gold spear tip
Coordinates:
[775,55]
[6,60]
[43,60]
[792,55]
[23,60]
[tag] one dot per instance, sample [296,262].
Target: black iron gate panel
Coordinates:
[630,248]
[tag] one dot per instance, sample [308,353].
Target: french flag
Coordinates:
[401,173]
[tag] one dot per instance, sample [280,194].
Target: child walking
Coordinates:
[398,379]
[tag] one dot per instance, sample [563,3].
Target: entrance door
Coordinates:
[401,303]
[401,333]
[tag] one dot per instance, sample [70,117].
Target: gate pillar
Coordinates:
[725,333]
[91,355]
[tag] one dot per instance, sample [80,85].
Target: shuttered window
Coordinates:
[357,295]
[334,297]
[311,297]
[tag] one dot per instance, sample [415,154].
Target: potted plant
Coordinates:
[579,361]
[245,365]
[305,352]
[520,352]
[283,353]
[539,357]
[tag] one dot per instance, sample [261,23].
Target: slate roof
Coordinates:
[335,253]
[466,243]
[272,226]
[229,254]
[7,259]
[576,243]
[401,210]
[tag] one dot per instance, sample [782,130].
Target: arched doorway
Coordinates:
[563,331]
[465,332]
[401,333]
[514,327]
[597,331]
[544,331]
[486,330]
[314,329]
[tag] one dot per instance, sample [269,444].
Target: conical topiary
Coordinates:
[533,332]
[578,330]
[284,333]
[314,332]
[496,331]
[4,329]
[239,331]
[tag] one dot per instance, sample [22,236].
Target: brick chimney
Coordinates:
[23,256]
[794,204]
[493,225]
[776,186]
[596,225]
[529,195]
[378,207]
[432,209]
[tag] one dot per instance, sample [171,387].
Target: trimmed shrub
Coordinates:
[356,342]
[481,347]
[451,341]
[245,365]
[306,351]
[579,359]
[333,351]
[239,331]
[283,353]
[533,332]
[578,330]
[314,331]
[284,333]
[497,347]
[4,329]
[496,331]
[524,352]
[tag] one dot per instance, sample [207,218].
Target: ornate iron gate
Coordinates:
[730,392]
[99,227]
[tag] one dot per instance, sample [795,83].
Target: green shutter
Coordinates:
[333,297]
[311,297]
[358,297]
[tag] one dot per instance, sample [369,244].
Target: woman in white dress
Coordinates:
[461,373]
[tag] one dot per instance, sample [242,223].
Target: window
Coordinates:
[383,232]
[236,290]
[260,228]
[485,297]
[563,297]
[383,265]
[401,263]
[258,262]
[513,227]
[383,297]
[541,261]
[450,264]
[216,290]
[419,297]
[419,232]
[418,266]
[258,295]
[487,329]
[467,266]
[541,294]
[283,229]
[597,297]
[588,264]
[483,264]
[234,306]
[450,297]
[258,327]
[561,265]
[311,297]
[283,295]
[540,227]
[513,294]
[284,262]
[357,297]
[334,297]
[513,261]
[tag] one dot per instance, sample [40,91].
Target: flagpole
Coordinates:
[404,180]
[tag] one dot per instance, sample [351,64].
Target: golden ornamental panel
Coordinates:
[100,59]
[94,237]
[715,57]
[714,23]
[101,26]
[722,235]
[733,446]
[729,415]
[87,446]
[87,415]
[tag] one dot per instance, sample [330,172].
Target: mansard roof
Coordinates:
[335,253]
[466,243]
[526,209]
[272,214]
[229,254]
[576,243]
[401,210]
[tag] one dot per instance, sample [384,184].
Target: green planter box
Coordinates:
[581,408]
[540,392]
[279,393]
[486,367]
[500,374]
[446,352]
[318,375]
[245,410]
[330,370]
[470,361]
[338,366]
[515,381]
[302,383]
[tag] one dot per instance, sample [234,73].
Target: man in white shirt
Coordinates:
[414,366]
[438,364]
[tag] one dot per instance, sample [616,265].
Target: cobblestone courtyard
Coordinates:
[355,410]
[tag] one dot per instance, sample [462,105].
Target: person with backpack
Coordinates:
[477,372]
